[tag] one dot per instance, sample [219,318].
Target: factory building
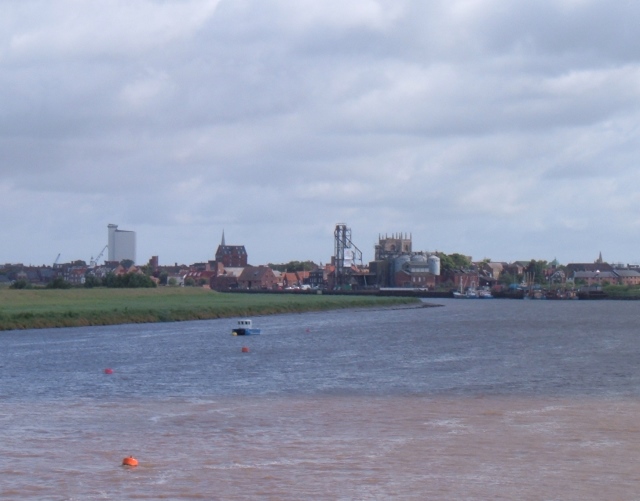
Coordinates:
[396,265]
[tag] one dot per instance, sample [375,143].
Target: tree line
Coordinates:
[111,280]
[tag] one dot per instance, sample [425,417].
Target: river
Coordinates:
[474,400]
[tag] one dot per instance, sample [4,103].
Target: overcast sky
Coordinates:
[502,130]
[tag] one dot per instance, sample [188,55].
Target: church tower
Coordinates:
[393,246]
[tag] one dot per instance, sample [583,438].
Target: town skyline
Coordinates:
[396,265]
[102,258]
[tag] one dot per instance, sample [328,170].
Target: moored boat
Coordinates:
[245,328]
[470,292]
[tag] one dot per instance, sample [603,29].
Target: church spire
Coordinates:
[222,243]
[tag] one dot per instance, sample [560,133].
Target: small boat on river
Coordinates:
[245,328]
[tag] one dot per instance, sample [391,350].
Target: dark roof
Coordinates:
[231,249]
[602,275]
[627,273]
[255,272]
[589,267]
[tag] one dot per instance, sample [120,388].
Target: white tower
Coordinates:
[122,244]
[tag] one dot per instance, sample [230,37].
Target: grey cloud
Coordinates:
[459,119]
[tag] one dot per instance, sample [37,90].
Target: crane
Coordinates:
[56,261]
[94,262]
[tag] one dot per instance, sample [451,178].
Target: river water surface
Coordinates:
[474,400]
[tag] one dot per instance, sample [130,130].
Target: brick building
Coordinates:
[231,256]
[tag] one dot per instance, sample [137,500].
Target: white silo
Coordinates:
[434,264]
[400,261]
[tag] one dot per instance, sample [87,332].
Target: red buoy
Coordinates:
[130,461]
[108,371]
[245,349]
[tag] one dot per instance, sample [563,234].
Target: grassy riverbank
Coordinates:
[33,309]
[622,291]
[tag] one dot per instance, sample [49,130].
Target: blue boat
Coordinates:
[245,328]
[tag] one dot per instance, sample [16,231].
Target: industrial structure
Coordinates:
[94,261]
[346,255]
[397,265]
[121,244]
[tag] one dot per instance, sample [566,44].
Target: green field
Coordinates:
[43,308]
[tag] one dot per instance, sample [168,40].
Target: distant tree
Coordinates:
[292,266]
[134,280]
[20,284]
[189,282]
[508,278]
[536,270]
[91,281]
[163,277]
[172,282]
[455,261]
[127,263]
[460,260]
[58,283]
[128,280]
[109,279]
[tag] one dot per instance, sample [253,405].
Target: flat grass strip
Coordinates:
[34,309]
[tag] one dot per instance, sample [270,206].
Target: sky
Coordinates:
[500,130]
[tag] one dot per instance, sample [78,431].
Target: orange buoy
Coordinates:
[108,371]
[245,349]
[130,461]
